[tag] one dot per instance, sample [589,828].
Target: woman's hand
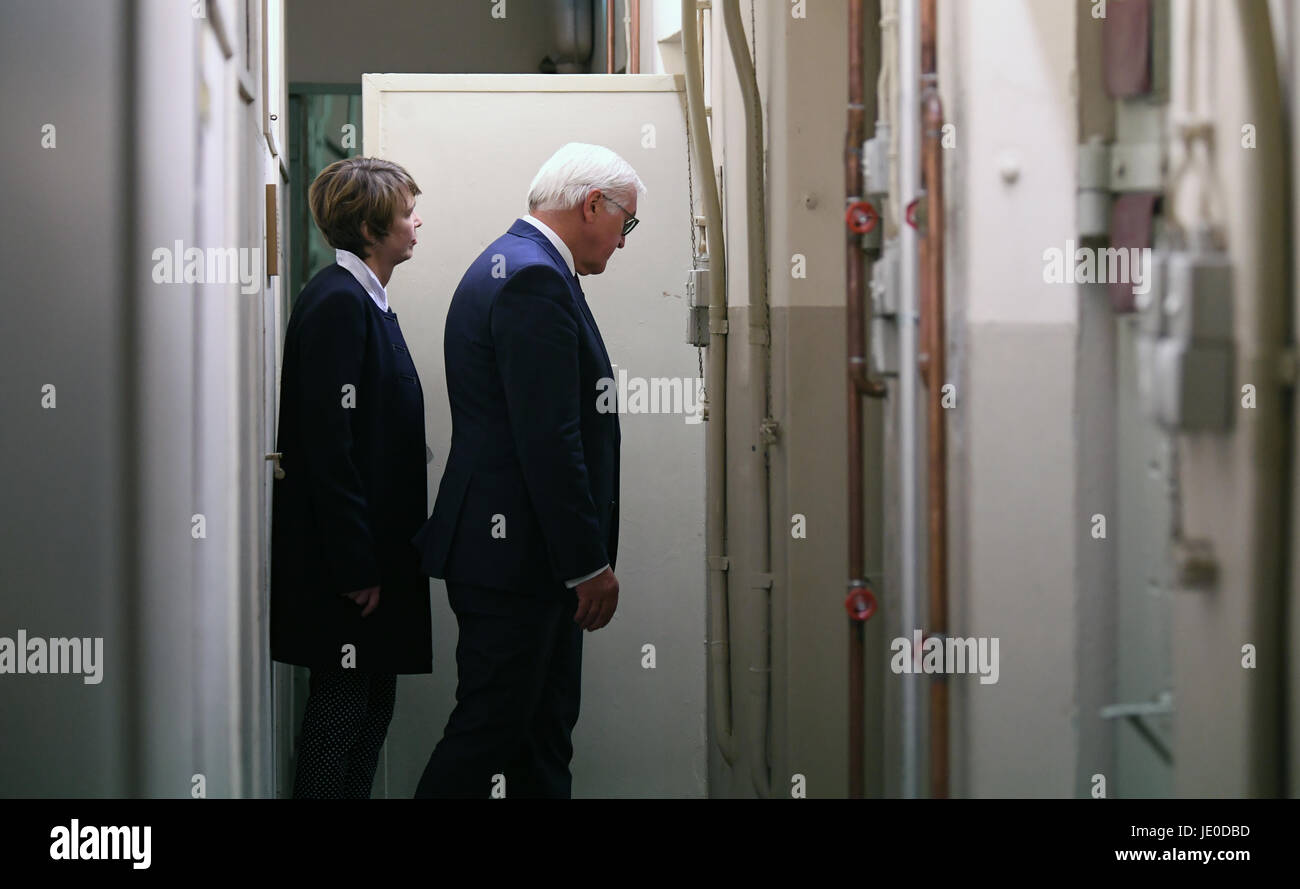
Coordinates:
[368,599]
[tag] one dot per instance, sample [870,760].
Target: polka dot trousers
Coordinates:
[343,729]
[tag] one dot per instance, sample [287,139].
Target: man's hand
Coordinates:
[597,599]
[368,599]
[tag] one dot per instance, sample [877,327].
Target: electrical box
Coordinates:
[697,311]
[885,282]
[1193,385]
[1198,301]
[875,162]
[883,287]
[1186,353]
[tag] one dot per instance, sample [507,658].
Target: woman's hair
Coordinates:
[356,190]
[566,179]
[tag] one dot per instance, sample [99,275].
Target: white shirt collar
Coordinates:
[364,275]
[554,239]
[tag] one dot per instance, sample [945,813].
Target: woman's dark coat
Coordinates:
[354,493]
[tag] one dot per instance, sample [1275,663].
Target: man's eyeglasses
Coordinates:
[630,222]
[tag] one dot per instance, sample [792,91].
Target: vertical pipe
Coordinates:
[715,439]
[854,324]
[760,361]
[935,371]
[908,150]
[634,43]
[860,603]
[609,36]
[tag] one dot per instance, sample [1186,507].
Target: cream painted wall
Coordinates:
[1019,116]
[1016,516]
[641,732]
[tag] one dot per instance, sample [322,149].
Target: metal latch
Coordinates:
[1138,713]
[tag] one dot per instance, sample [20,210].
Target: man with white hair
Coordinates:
[525,527]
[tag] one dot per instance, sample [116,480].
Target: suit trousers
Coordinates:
[519,676]
[343,728]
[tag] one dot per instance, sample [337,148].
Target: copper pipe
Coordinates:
[634,49]
[935,369]
[853,310]
[609,36]
[859,385]
[928,25]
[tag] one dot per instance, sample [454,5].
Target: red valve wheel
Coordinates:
[861,217]
[911,212]
[860,604]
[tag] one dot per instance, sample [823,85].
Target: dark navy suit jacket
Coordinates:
[529,497]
